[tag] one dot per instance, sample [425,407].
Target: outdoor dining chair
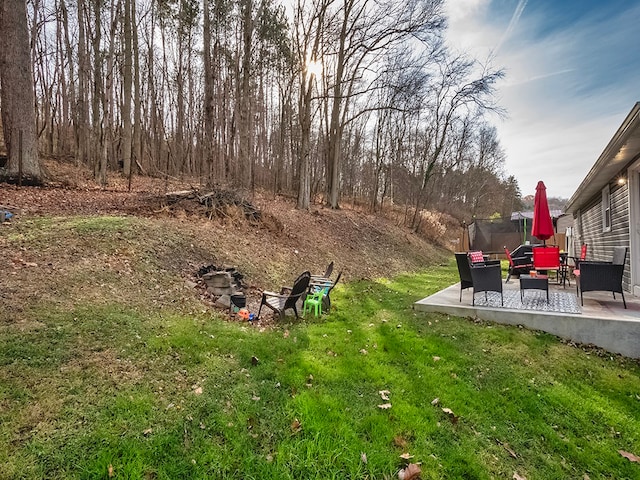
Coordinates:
[547,258]
[517,265]
[581,258]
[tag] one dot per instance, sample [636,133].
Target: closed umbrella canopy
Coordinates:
[542,227]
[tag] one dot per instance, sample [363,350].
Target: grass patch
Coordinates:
[158,389]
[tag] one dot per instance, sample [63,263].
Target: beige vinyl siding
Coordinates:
[600,244]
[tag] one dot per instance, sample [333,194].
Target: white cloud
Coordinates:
[459,10]
[512,23]
[567,88]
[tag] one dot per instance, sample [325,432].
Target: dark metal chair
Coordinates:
[603,276]
[486,278]
[287,298]
[517,265]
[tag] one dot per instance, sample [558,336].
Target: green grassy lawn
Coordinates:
[101,386]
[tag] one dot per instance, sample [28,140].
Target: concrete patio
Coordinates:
[603,322]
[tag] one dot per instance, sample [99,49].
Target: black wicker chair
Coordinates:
[603,276]
[486,278]
[464,270]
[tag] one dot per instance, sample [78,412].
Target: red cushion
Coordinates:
[476,257]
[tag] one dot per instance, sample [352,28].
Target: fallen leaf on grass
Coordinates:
[400,442]
[406,456]
[384,394]
[363,351]
[435,401]
[452,415]
[110,471]
[296,426]
[518,477]
[436,358]
[412,472]
[198,391]
[148,431]
[385,406]
[629,456]
[363,457]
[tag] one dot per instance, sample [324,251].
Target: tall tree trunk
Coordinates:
[82,116]
[127,87]
[98,146]
[246,114]
[208,94]
[304,173]
[65,55]
[335,127]
[17,93]
[137,151]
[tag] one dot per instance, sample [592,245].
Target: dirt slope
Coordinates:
[285,241]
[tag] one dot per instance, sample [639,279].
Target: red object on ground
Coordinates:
[542,227]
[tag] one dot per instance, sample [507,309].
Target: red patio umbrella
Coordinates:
[542,226]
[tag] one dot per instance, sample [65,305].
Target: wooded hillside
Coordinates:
[355,100]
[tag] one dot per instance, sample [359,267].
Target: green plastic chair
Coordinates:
[313,302]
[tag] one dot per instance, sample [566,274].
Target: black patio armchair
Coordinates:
[486,278]
[464,269]
[603,276]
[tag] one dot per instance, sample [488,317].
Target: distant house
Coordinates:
[606,205]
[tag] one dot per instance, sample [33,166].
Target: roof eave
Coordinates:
[612,160]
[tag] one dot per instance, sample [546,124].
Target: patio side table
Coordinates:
[539,282]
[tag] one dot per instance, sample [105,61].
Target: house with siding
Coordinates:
[606,205]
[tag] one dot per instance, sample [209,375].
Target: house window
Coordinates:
[606,209]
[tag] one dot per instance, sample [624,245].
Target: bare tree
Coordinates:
[392,117]
[310,19]
[452,95]
[365,30]
[127,83]
[17,94]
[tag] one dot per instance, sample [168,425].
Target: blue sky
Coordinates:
[572,76]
